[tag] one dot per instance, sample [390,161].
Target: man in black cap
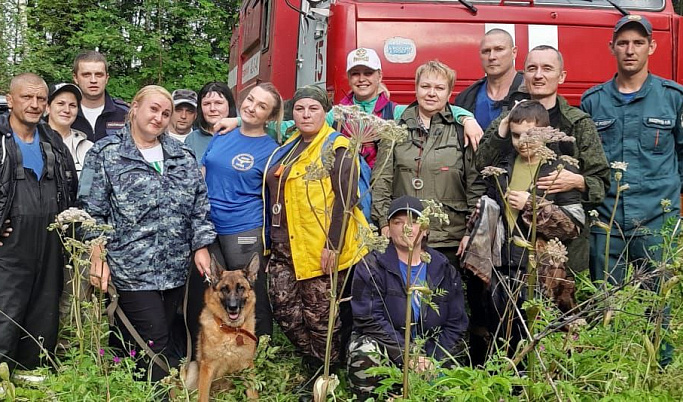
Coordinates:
[379,301]
[38,179]
[184,113]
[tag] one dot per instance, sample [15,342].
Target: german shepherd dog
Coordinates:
[226,342]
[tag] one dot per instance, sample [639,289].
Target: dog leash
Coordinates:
[112,309]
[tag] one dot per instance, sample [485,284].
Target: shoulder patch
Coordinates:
[121,104]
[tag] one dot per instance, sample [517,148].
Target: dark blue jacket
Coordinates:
[379,304]
[112,119]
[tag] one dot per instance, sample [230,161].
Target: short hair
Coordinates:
[23,78]
[547,47]
[221,89]
[90,56]
[436,67]
[146,91]
[531,111]
[498,31]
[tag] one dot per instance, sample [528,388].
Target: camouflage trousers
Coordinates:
[363,353]
[302,308]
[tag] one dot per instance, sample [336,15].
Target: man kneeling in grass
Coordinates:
[379,301]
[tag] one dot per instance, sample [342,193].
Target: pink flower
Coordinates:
[150,343]
[101,352]
[117,359]
[133,353]
[541,348]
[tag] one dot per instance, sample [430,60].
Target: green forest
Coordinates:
[171,43]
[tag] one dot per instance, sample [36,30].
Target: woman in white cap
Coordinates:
[62,109]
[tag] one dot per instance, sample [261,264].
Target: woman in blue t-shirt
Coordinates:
[233,166]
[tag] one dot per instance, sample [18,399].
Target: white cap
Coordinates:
[363,57]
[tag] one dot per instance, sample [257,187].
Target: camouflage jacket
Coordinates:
[158,219]
[592,165]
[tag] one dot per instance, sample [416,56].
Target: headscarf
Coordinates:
[312,92]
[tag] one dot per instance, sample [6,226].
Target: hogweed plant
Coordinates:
[361,128]
[73,226]
[619,168]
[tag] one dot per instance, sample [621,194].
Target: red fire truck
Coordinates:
[296,43]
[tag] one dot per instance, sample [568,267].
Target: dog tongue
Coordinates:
[233,316]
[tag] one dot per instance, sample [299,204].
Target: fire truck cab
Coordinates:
[293,43]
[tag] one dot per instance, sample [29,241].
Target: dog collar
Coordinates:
[234,330]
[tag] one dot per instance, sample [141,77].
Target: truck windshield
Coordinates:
[644,5]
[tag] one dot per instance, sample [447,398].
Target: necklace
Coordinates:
[279,173]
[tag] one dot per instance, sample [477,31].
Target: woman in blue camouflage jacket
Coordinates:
[149,188]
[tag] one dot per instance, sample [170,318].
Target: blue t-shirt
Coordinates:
[418,276]
[31,153]
[628,97]
[486,109]
[234,166]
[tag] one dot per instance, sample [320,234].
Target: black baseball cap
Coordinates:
[405,203]
[57,89]
[634,19]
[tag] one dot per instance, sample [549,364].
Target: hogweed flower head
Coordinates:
[556,252]
[570,161]
[492,171]
[619,166]
[358,125]
[433,210]
[371,239]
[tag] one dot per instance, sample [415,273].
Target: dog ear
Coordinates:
[216,268]
[251,270]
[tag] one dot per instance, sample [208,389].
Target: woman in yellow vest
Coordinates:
[307,222]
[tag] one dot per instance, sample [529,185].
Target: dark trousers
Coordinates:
[152,314]
[31,272]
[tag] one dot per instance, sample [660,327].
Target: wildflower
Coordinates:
[619,166]
[392,132]
[556,251]
[593,214]
[425,257]
[132,353]
[545,154]
[150,343]
[570,161]
[492,171]
[624,187]
[546,135]
[101,352]
[666,204]
[541,348]
[117,360]
[432,210]
[372,240]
